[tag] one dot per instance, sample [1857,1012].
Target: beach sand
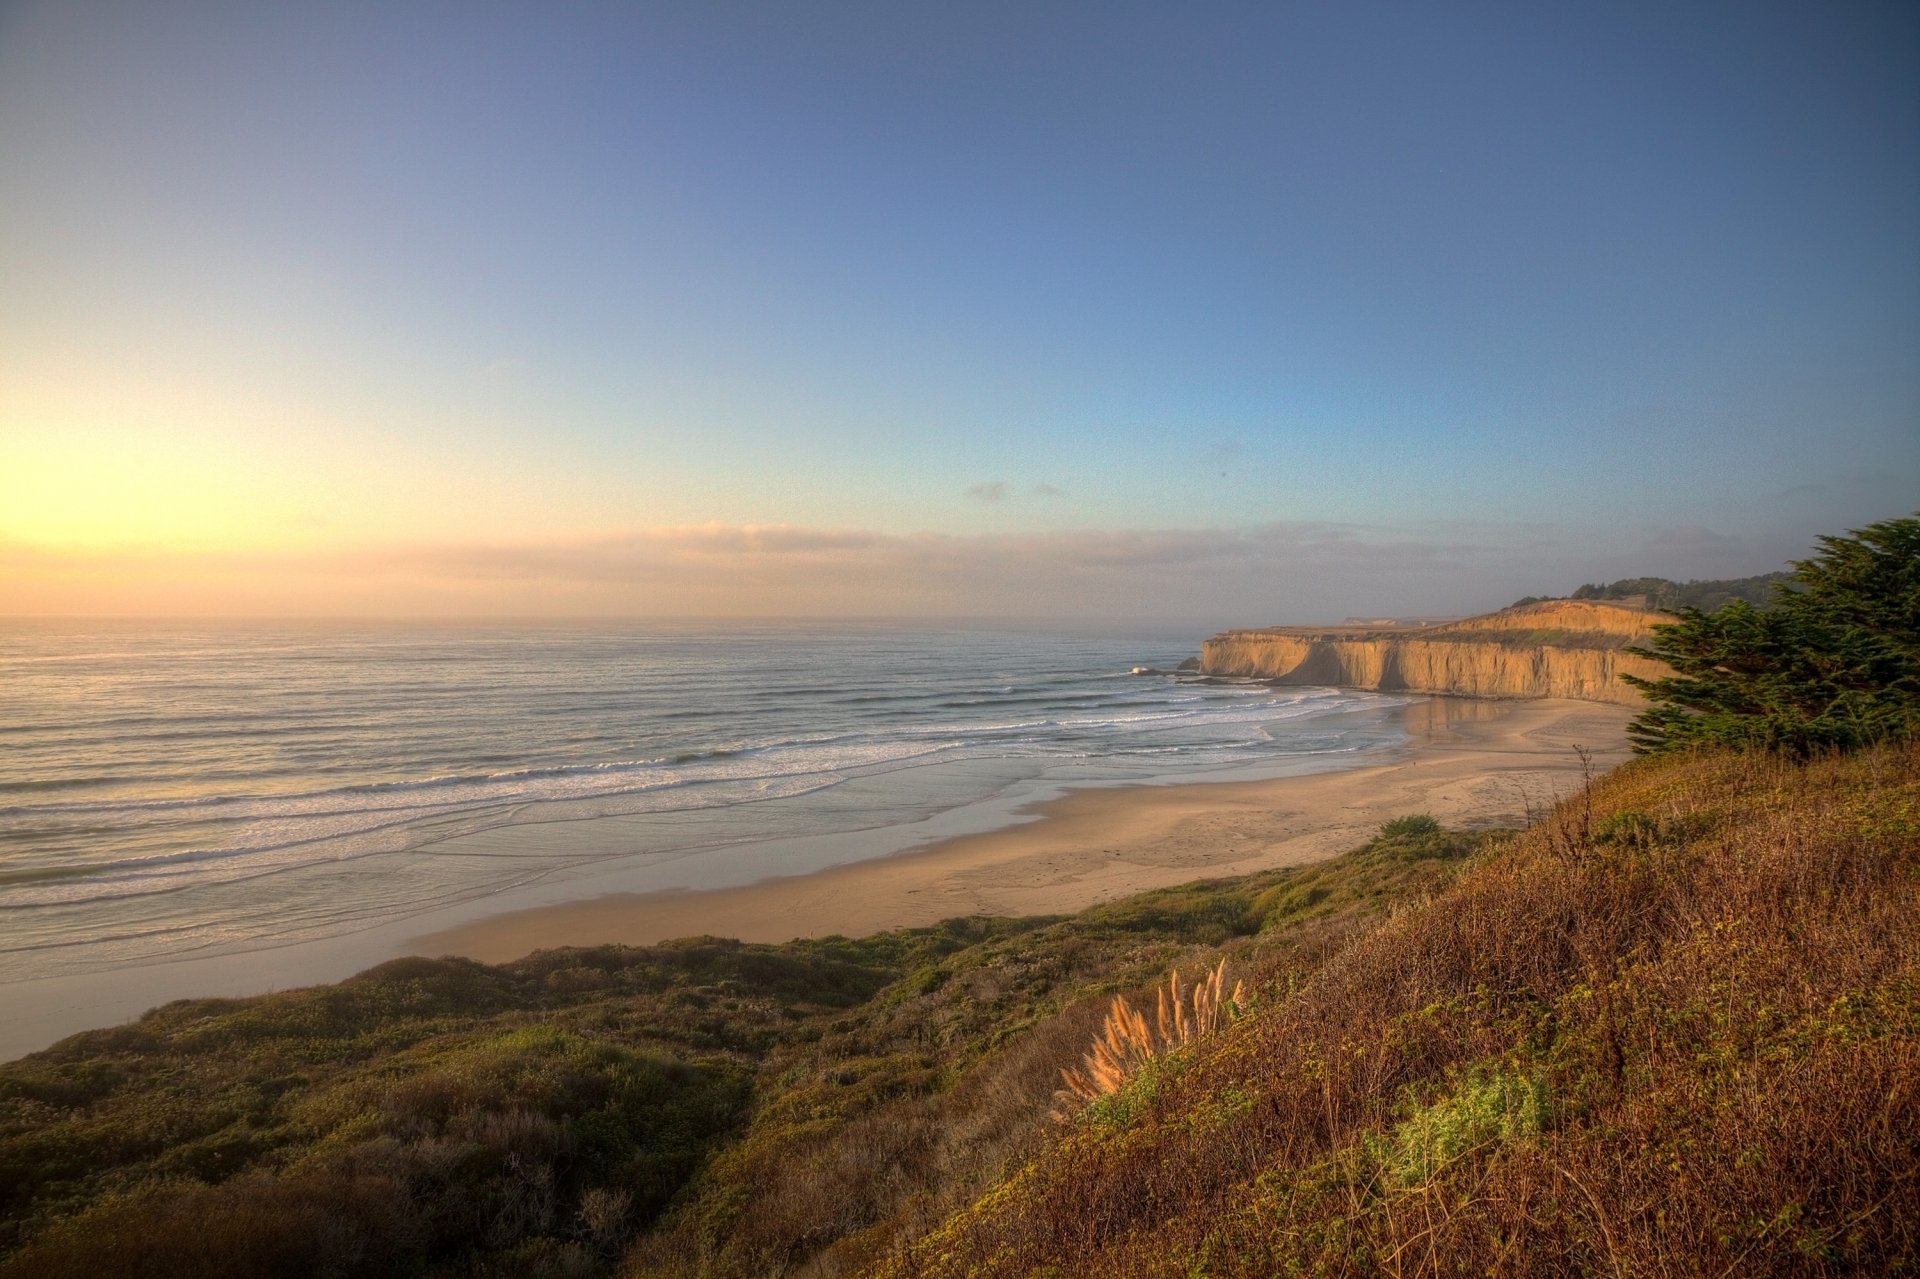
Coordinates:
[1468,763]
[1471,763]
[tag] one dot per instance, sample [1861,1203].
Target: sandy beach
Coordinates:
[1471,763]
[1467,762]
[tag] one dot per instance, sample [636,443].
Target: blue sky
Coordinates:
[454,306]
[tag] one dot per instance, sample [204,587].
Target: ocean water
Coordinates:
[180,790]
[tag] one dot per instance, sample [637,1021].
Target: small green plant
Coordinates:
[1412,826]
[1417,836]
[1632,829]
[1484,1110]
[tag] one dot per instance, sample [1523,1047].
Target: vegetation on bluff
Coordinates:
[1674,1029]
[705,1107]
[1670,596]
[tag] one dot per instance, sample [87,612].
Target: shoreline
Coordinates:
[1470,763]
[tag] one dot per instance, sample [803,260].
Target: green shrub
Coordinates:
[1488,1107]
[1414,825]
[1418,836]
[1834,664]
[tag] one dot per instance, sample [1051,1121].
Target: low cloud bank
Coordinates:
[1284,571]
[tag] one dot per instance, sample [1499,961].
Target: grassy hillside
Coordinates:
[1673,1029]
[717,1108]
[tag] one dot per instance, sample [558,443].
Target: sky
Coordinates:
[1265,313]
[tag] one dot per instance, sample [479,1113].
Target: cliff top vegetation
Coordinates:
[1602,624]
[1666,595]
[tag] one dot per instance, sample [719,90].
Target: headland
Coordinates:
[1555,648]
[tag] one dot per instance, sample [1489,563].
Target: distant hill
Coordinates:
[1669,596]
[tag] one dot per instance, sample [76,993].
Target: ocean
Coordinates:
[182,790]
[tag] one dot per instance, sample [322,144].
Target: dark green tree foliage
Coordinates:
[1834,663]
[1670,596]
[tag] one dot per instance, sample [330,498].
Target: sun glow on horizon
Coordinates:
[93,484]
[94,490]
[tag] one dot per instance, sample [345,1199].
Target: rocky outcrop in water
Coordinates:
[1559,648]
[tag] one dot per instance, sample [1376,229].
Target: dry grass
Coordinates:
[1674,1030]
[1127,1040]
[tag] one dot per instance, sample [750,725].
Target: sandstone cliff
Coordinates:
[1559,648]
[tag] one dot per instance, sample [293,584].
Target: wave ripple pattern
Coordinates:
[167,789]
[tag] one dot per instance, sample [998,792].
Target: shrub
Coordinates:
[1411,826]
[1416,837]
[1835,663]
[1488,1107]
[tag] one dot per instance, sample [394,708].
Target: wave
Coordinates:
[23,785]
[649,773]
[295,845]
[739,744]
[685,766]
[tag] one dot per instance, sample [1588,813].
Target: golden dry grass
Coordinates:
[1673,1030]
[1127,1040]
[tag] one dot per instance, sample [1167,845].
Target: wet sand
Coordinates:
[1472,763]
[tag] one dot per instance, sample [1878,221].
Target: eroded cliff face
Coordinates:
[1561,648]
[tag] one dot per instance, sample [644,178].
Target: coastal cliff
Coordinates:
[1557,648]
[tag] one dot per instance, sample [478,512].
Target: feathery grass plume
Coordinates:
[1127,1041]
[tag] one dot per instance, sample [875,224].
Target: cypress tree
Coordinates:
[1834,664]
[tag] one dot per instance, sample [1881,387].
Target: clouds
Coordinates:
[1001,491]
[1282,570]
[786,548]
[1278,571]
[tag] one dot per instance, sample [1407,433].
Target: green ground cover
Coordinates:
[702,1107]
